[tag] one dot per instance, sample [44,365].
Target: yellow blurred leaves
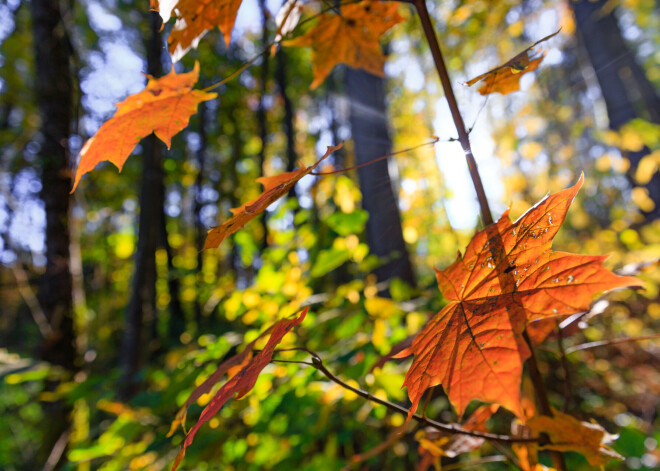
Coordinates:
[641,198]
[529,150]
[647,167]
[505,78]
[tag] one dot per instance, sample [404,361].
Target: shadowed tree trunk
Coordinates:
[626,89]
[368,119]
[289,129]
[200,228]
[142,305]
[262,119]
[177,320]
[54,94]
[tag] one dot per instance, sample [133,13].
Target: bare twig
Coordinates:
[450,428]
[378,159]
[27,293]
[602,343]
[57,451]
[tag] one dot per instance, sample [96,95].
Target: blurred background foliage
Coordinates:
[314,247]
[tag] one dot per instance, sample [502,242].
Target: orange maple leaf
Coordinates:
[351,38]
[507,278]
[505,78]
[194,19]
[274,188]
[242,382]
[163,107]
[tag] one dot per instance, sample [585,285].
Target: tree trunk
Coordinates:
[142,305]
[262,118]
[289,129]
[627,92]
[54,94]
[368,119]
[200,228]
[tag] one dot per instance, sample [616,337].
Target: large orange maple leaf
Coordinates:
[352,38]
[163,107]
[507,278]
[274,188]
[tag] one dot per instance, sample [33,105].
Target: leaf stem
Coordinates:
[463,136]
[378,159]
[450,428]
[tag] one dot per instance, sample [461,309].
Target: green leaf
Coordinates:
[348,223]
[328,260]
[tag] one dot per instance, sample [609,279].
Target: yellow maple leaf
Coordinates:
[351,38]
[567,433]
[505,78]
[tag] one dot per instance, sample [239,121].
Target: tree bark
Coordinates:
[262,118]
[289,128]
[626,89]
[370,132]
[200,228]
[142,305]
[54,95]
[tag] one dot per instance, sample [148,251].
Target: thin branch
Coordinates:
[508,454]
[391,439]
[378,159]
[601,343]
[463,135]
[58,450]
[450,428]
[31,300]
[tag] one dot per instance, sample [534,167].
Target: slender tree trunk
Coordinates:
[371,138]
[200,228]
[54,94]
[177,321]
[142,305]
[626,89]
[289,128]
[262,119]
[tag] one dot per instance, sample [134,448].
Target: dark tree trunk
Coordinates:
[142,305]
[289,129]
[368,118]
[54,94]
[262,119]
[177,321]
[626,89]
[200,228]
